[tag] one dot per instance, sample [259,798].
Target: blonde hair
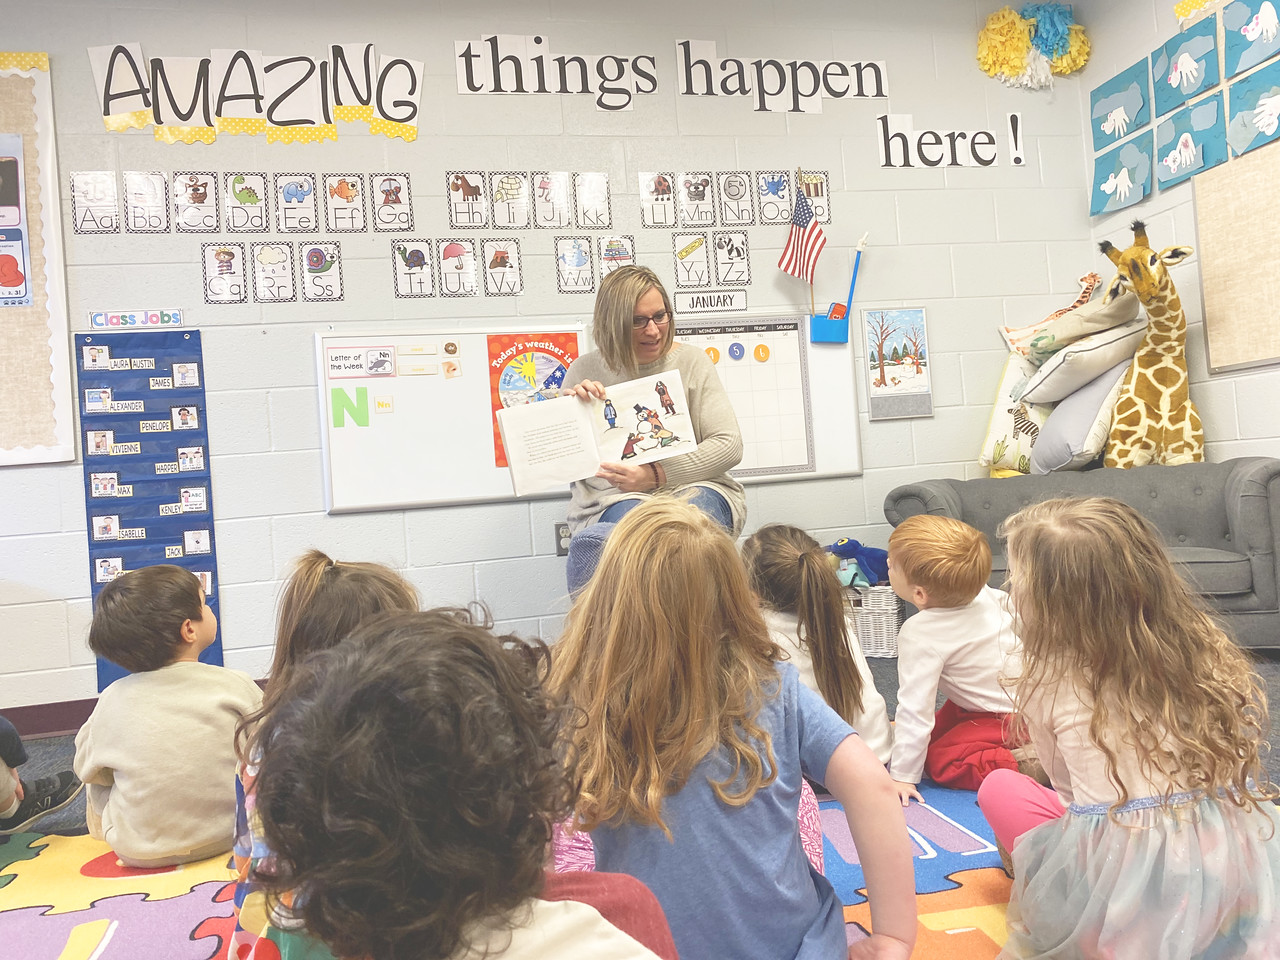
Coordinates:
[1100,602]
[666,658]
[790,572]
[945,557]
[611,326]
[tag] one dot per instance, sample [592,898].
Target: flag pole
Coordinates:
[857,258]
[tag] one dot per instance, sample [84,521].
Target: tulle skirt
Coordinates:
[1198,879]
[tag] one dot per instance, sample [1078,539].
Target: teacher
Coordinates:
[634,334]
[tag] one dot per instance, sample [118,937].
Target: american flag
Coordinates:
[804,242]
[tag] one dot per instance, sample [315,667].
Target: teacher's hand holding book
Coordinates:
[632,478]
[586,390]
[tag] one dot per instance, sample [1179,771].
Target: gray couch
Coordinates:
[1220,521]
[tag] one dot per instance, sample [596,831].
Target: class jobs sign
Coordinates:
[146,459]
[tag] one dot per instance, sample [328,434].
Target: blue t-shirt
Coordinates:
[735,882]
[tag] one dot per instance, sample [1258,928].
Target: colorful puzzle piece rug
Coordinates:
[68,898]
[961,891]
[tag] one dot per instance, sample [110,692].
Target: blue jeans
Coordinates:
[705,499]
[12,753]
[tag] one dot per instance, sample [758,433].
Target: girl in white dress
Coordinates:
[804,608]
[1160,836]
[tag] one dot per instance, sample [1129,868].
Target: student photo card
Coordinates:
[392,201]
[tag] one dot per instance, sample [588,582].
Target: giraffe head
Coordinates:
[1140,268]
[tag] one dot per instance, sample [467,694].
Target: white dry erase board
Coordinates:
[409,416]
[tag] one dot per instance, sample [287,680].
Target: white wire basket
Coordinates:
[878,616]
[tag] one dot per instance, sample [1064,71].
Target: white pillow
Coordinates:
[1084,361]
[1077,430]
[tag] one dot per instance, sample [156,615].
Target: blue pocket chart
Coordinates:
[146,461]
[1255,109]
[1251,34]
[1185,66]
[1120,106]
[1191,141]
[1121,177]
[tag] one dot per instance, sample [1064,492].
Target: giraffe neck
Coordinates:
[1166,322]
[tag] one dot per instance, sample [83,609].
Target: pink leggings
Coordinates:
[1014,803]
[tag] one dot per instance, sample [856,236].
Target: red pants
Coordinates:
[965,746]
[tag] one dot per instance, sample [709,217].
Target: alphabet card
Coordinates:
[321,271]
[816,187]
[146,202]
[246,203]
[692,265]
[510,192]
[1185,66]
[195,201]
[734,191]
[392,202]
[95,202]
[551,200]
[344,210]
[592,193]
[273,277]
[773,193]
[457,262]
[502,272]
[1191,141]
[573,265]
[733,264]
[468,207]
[697,200]
[224,273]
[1251,34]
[411,264]
[1122,176]
[657,205]
[295,195]
[616,251]
[1119,105]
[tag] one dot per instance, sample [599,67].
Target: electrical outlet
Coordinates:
[562,539]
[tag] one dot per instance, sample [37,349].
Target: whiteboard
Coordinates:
[408,415]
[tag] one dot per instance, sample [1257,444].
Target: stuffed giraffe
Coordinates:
[1154,420]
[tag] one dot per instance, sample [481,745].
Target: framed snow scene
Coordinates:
[898,363]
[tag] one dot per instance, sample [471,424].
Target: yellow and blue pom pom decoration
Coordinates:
[1028,49]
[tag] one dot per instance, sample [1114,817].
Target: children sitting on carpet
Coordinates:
[158,751]
[409,781]
[691,748]
[956,644]
[1150,722]
[323,601]
[804,609]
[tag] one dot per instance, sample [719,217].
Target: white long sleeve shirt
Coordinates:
[873,723]
[958,651]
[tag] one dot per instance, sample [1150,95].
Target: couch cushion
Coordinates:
[1213,573]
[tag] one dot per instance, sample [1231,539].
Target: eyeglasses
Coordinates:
[659,319]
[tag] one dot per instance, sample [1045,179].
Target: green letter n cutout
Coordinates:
[342,404]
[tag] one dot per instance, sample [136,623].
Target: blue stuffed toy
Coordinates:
[872,561]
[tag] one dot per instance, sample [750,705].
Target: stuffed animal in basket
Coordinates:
[872,561]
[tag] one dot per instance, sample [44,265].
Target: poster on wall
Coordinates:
[146,461]
[525,368]
[1122,176]
[36,395]
[1120,106]
[1185,66]
[897,363]
[1251,32]
[1191,141]
[1255,110]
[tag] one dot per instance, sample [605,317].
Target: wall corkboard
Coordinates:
[1235,240]
[35,380]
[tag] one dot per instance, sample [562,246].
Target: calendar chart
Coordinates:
[764,367]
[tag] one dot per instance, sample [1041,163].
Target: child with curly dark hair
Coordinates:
[408,785]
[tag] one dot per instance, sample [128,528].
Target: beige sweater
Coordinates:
[158,756]
[715,427]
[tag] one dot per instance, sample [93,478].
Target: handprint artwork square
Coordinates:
[1191,141]
[1255,110]
[1186,65]
[1120,106]
[1251,35]
[1122,176]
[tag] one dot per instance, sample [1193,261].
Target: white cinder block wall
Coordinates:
[976,247]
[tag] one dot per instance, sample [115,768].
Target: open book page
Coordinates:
[551,443]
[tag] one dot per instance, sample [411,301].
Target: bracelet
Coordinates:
[653,467]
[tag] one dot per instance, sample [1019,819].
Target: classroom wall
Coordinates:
[1238,409]
[976,247]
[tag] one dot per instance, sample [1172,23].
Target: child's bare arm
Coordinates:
[858,780]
